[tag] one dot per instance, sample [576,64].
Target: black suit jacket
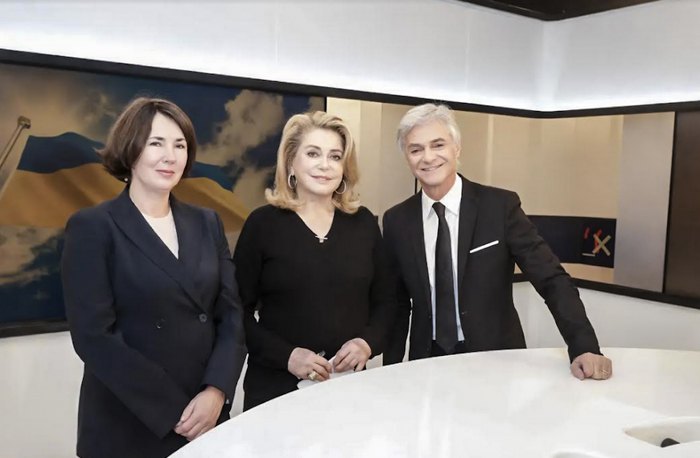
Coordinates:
[488,317]
[152,330]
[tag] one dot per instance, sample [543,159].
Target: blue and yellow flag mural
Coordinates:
[52,168]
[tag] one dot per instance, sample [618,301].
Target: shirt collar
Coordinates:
[451,201]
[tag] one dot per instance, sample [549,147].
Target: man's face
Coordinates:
[432,154]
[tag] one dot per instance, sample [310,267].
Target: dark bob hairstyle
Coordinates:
[127,137]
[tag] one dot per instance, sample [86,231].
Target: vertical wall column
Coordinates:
[645,180]
[683,256]
[385,179]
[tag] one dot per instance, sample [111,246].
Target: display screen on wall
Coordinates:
[52,122]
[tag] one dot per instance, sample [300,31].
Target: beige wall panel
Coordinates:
[645,181]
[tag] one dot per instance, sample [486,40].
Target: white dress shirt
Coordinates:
[451,201]
[165,228]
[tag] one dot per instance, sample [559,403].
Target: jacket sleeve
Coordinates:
[398,326]
[139,383]
[382,294]
[265,346]
[229,352]
[536,259]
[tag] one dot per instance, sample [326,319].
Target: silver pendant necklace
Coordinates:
[321,238]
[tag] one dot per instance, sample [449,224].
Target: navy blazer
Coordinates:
[153,330]
[485,277]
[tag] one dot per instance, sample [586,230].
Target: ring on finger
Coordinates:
[312,375]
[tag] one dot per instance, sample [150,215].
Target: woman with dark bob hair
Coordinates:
[150,297]
[312,264]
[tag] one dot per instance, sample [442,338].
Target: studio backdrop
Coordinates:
[53,119]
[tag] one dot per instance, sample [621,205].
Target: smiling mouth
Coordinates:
[321,178]
[430,169]
[166,172]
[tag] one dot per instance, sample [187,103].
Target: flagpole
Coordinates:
[22,123]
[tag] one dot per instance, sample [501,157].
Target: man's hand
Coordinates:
[201,413]
[589,365]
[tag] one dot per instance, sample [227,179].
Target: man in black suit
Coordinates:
[454,246]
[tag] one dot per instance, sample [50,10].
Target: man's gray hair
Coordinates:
[423,114]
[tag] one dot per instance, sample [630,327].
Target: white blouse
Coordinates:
[165,228]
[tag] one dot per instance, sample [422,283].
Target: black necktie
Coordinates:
[445,319]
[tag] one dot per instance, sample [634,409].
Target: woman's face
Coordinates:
[318,164]
[163,159]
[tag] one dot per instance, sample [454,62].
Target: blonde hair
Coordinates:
[424,114]
[281,195]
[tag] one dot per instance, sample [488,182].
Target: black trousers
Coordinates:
[250,401]
[437,350]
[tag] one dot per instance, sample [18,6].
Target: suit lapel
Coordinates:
[130,221]
[418,242]
[467,222]
[189,237]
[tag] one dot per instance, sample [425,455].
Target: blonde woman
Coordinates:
[312,264]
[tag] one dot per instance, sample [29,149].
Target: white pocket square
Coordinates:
[482,247]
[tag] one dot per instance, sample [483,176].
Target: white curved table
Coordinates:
[515,403]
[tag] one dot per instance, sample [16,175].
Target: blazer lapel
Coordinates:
[418,242]
[130,221]
[189,237]
[467,222]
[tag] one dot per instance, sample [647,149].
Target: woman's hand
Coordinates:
[305,364]
[352,355]
[201,413]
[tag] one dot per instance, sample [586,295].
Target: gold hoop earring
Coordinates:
[291,178]
[345,187]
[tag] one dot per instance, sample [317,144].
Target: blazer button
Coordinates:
[160,323]
[203,317]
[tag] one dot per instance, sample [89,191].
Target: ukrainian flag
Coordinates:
[57,176]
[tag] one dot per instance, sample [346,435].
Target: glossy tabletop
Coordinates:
[515,403]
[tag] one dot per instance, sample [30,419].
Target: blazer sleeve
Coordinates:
[267,347]
[228,355]
[140,384]
[398,326]
[382,297]
[542,268]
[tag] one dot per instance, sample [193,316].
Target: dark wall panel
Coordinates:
[683,254]
[578,239]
